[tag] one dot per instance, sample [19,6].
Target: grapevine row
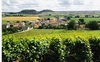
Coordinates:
[51,50]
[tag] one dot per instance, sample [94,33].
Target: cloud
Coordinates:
[57,5]
[48,3]
[78,2]
[5,2]
[16,2]
[65,2]
[17,5]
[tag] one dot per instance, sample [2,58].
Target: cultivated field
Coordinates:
[13,19]
[50,33]
[56,44]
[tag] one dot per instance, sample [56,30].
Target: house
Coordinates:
[16,25]
[8,25]
[23,23]
[36,25]
[24,28]
[53,22]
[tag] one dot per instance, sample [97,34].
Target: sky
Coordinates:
[55,5]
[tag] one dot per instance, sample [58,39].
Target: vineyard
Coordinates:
[50,33]
[52,46]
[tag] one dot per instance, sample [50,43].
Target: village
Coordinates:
[27,25]
[44,23]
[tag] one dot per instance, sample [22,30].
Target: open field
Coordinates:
[87,19]
[77,19]
[43,33]
[20,18]
[12,19]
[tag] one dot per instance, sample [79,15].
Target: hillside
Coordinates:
[47,11]
[27,11]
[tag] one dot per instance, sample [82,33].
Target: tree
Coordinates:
[92,16]
[49,14]
[48,18]
[68,18]
[77,16]
[86,16]
[92,25]
[81,21]
[17,21]
[71,25]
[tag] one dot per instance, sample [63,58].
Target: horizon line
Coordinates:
[52,10]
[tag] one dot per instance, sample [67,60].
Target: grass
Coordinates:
[49,33]
[87,19]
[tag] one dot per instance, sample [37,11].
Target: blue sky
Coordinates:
[56,5]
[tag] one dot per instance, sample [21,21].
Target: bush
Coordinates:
[95,47]
[77,51]
[49,26]
[81,21]
[55,52]
[92,25]
[71,25]
[26,50]
[10,30]
[50,50]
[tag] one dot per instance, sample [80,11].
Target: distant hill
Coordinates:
[45,11]
[28,12]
